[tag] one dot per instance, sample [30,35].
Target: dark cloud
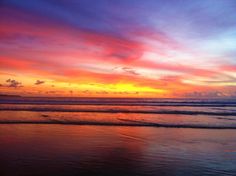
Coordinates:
[127,70]
[130,71]
[125,53]
[13,83]
[38,82]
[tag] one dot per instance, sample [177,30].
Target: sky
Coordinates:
[125,48]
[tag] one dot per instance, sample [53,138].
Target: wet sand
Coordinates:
[35,149]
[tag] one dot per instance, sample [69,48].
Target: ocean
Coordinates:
[117,136]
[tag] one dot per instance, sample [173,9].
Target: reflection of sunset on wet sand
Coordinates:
[92,150]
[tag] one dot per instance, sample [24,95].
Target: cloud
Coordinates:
[208,94]
[130,71]
[13,83]
[86,92]
[127,70]
[38,82]
[51,92]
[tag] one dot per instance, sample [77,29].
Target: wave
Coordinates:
[121,102]
[177,112]
[126,123]
[128,104]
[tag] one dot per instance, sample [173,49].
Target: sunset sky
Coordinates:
[125,48]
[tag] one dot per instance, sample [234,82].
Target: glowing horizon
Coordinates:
[159,49]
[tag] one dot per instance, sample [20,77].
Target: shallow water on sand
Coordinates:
[181,113]
[52,149]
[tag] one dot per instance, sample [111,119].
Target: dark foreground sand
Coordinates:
[33,149]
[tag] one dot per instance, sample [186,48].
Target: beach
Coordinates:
[56,136]
[98,150]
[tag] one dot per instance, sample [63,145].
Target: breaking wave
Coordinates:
[114,110]
[126,123]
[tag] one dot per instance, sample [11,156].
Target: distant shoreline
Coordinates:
[5,95]
[137,98]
